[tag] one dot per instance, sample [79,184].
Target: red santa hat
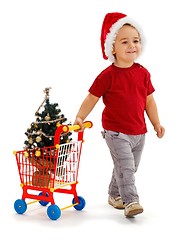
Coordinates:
[110,27]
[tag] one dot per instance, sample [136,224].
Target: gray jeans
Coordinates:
[126,153]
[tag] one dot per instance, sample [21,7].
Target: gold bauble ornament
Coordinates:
[37,153]
[58,124]
[26,154]
[47,117]
[38,139]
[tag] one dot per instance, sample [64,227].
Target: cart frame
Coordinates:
[43,186]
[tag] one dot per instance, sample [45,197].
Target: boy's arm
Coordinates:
[152,113]
[86,107]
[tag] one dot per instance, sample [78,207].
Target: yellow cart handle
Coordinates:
[69,128]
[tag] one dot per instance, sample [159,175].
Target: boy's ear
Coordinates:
[113,51]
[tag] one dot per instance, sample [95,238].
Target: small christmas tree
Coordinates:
[40,134]
[39,146]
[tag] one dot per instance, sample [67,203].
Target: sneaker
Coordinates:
[133,209]
[116,202]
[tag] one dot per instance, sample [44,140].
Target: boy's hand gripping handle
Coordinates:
[69,128]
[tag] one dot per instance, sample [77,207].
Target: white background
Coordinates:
[57,44]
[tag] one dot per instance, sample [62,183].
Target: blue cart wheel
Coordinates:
[54,212]
[20,206]
[43,203]
[81,203]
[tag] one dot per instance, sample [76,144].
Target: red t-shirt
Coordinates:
[124,92]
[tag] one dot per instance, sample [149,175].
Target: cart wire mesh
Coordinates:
[55,167]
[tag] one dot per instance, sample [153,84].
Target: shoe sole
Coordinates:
[134,212]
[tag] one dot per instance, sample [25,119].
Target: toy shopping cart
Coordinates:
[52,170]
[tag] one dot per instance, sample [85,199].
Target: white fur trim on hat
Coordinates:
[111,36]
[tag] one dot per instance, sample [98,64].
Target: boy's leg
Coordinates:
[125,165]
[113,187]
[138,149]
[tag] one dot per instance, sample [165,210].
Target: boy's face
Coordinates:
[127,46]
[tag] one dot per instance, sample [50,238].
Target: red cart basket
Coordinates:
[53,170]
